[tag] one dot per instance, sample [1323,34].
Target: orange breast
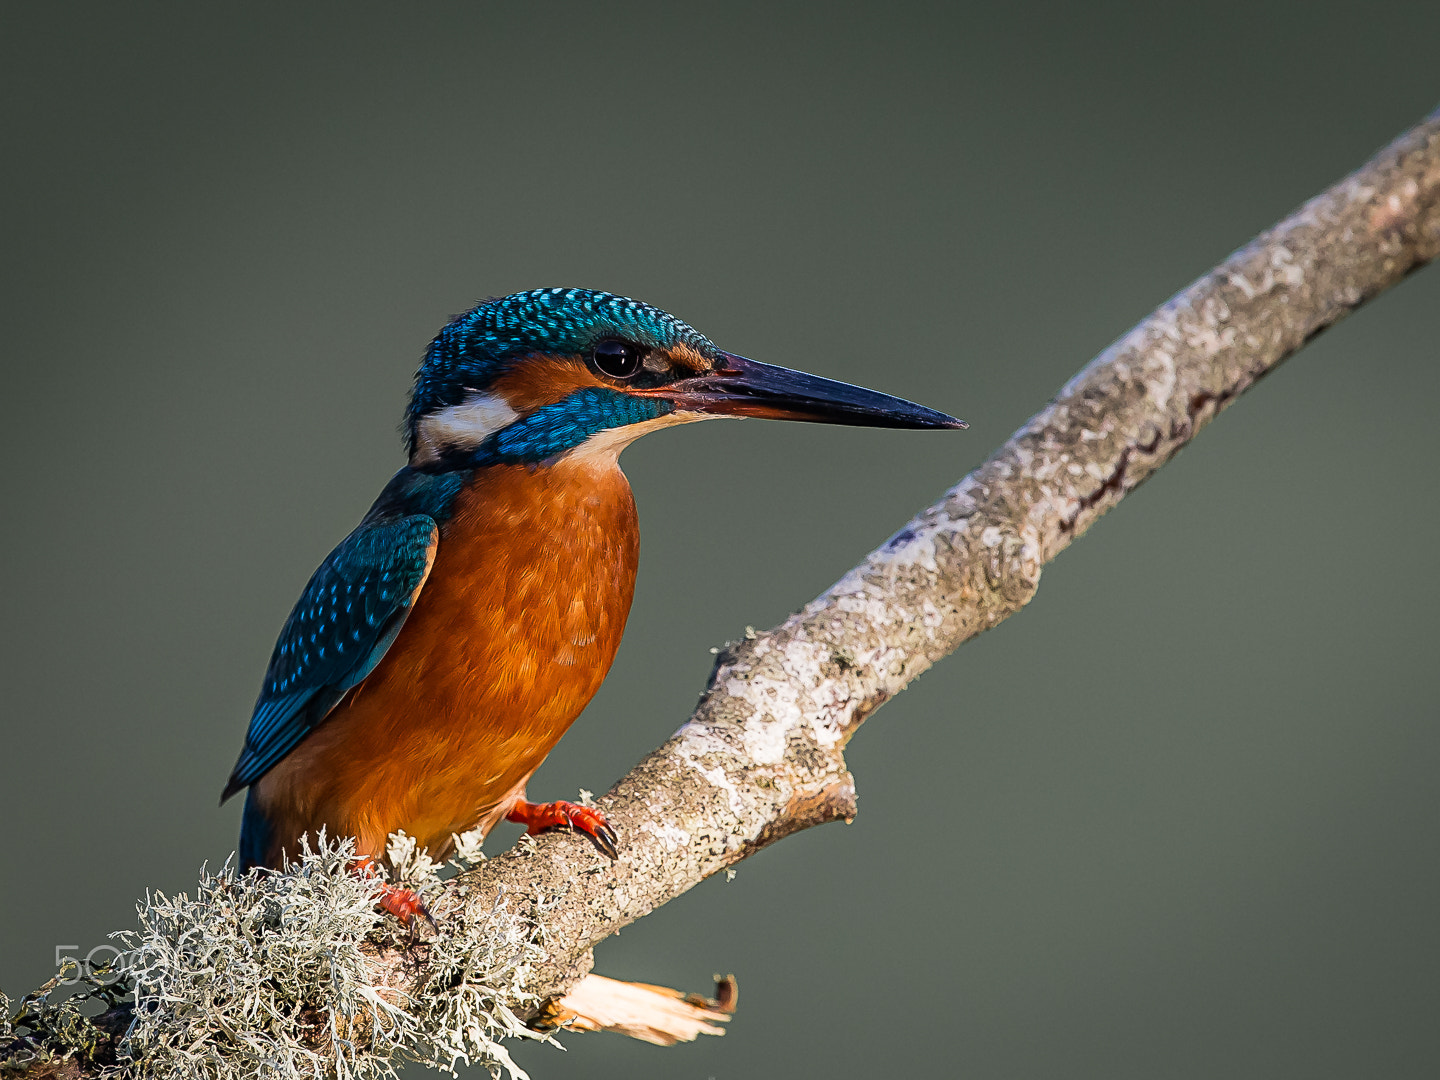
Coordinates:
[511,636]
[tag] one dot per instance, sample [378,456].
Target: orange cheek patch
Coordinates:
[543,381]
[687,360]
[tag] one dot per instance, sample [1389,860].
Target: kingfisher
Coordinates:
[444,647]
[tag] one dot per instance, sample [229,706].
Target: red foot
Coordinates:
[404,904]
[537,817]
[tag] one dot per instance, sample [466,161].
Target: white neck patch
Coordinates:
[604,446]
[464,426]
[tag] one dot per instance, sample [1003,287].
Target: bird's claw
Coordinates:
[407,906]
[590,820]
[605,839]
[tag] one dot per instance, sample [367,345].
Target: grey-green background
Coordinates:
[1179,818]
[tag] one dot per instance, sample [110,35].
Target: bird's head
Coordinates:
[529,377]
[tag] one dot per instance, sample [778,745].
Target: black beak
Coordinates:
[740,387]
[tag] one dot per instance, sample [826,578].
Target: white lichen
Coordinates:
[673,837]
[264,974]
[696,742]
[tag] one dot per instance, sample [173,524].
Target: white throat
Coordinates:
[603,448]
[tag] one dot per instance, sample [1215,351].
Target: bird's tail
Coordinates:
[255,834]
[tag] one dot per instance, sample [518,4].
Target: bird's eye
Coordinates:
[618,359]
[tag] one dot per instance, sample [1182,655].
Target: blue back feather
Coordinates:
[347,617]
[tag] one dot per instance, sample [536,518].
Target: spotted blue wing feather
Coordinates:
[349,614]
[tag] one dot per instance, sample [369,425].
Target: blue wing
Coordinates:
[348,616]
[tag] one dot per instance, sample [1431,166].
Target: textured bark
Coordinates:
[762,756]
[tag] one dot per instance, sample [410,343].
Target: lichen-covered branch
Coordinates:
[762,756]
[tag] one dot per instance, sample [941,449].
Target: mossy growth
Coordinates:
[43,1028]
[273,974]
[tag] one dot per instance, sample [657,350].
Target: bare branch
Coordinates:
[762,756]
